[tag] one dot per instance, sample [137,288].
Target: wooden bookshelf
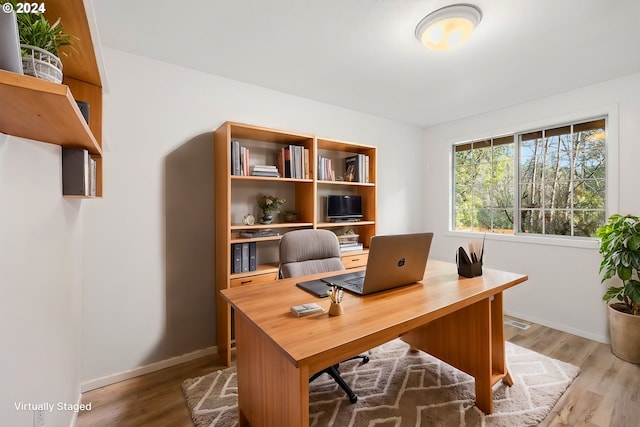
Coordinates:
[47,112]
[236,195]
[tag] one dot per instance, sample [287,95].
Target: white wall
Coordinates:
[145,297]
[39,283]
[564,288]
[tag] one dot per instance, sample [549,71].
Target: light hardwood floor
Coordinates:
[606,392]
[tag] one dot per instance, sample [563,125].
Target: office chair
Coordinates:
[304,252]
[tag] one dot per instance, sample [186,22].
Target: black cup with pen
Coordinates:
[470,265]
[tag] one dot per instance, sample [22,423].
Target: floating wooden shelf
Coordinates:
[44,111]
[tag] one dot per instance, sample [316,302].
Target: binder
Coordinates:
[236,260]
[245,257]
[252,256]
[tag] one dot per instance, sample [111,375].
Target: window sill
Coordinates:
[570,242]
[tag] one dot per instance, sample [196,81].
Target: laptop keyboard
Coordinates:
[356,283]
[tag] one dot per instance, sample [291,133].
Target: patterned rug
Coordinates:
[402,388]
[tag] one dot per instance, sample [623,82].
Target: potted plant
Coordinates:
[620,249]
[39,43]
[290,215]
[269,205]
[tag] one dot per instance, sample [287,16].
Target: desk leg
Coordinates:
[272,391]
[470,339]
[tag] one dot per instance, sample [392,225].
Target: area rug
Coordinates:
[403,388]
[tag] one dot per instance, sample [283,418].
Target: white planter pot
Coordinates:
[39,63]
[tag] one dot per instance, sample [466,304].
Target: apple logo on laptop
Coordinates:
[401,262]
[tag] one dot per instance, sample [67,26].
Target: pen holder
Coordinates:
[335,309]
[470,270]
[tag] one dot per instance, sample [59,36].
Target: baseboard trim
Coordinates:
[561,327]
[156,366]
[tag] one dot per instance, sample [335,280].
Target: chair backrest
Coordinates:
[305,252]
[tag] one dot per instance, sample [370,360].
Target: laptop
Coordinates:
[10,58]
[394,260]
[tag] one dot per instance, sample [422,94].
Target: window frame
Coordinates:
[611,115]
[518,171]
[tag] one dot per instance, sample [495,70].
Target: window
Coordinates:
[562,179]
[560,187]
[484,185]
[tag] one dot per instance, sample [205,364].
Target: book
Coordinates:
[351,166]
[298,161]
[306,309]
[286,153]
[305,166]
[76,175]
[92,177]
[235,158]
[267,174]
[266,168]
[236,260]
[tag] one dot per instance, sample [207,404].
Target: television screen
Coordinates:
[341,207]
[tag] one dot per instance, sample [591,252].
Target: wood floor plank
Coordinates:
[606,393]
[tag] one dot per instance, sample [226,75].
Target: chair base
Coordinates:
[333,372]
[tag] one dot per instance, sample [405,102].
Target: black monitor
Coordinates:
[344,208]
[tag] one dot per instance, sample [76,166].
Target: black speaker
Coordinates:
[84,109]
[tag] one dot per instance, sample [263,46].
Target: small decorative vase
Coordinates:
[267,217]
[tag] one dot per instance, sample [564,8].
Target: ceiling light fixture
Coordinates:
[448,27]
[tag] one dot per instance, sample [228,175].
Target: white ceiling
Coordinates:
[362,54]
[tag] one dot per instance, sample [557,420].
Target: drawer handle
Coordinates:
[244,282]
[355,259]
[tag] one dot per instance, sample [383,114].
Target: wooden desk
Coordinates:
[458,320]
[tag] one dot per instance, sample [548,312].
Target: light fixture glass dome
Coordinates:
[449,27]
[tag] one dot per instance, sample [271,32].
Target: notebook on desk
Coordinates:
[394,260]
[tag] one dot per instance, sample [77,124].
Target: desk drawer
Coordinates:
[252,280]
[355,260]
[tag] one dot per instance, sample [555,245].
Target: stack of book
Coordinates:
[351,246]
[349,242]
[293,162]
[357,168]
[239,159]
[265,170]
[260,233]
[325,169]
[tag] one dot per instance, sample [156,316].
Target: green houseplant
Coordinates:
[290,215]
[620,250]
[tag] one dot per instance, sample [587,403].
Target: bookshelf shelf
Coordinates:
[273,179]
[235,194]
[344,224]
[347,183]
[260,269]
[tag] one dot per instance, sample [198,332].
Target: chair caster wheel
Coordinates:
[353,399]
